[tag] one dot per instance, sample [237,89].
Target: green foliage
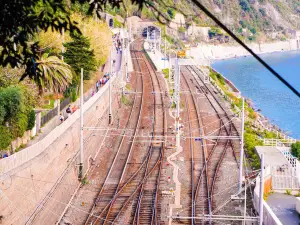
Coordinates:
[243,24]
[252,38]
[171,13]
[15,112]
[74,95]
[253,30]
[128,87]
[31,120]
[214,31]
[245,5]
[250,141]
[295,149]
[166,72]
[124,100]
[288,192]
[5,137]
[262,11]
[217,77]
[79,55]
[52,73]
[84,181]
[181,29]
[117,23]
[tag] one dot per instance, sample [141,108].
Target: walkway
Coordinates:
[54,122]
[284,207]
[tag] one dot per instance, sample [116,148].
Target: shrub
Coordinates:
[262,11]
[288,192]
[5,137]
[74,95]
[166,72]
[295,149]
[245,5]
[31,120]
[181,30]
[171,13]
[243,24]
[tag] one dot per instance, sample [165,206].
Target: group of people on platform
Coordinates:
[117,42]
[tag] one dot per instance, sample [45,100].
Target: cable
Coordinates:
[58,201]
[217,21]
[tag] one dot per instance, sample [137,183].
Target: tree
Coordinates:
[52,73]
[79,55]
[295,149]
[245,5]
[15,113]
[171,13]
[5,137]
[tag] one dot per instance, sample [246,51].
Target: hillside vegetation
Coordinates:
[254,20]
[54,74]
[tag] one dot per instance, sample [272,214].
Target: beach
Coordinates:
[204,52]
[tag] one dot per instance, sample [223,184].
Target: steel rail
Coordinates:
[115,158]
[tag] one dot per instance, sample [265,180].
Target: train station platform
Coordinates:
[157,58]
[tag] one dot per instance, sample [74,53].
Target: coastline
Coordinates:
[206,52]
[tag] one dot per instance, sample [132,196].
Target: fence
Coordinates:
[64,103]
[50,114]
[19,158]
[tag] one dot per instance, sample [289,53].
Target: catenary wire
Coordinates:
[218,22]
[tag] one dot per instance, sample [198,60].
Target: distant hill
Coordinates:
[252,20]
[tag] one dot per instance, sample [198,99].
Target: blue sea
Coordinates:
[280,105]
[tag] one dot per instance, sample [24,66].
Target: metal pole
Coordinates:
[81,127]
[165,56]
[245,203]
[169,68]
[177,103]
[62,47]
[126,60]
[242,147]
[109,84]
[130,31]
[261,190]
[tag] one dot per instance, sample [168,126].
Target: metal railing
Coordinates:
[64,103]
[49,115]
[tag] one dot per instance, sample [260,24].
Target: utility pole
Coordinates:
[62,46]
[165,56]
[261,190]
[177,88]
[109,83]
[80,174]
[169,68]
[242,147]
[130,31]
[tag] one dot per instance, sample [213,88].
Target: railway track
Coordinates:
[197,156]
[115,173]
[215,122]
[129,194]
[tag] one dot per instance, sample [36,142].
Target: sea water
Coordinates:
[279,104]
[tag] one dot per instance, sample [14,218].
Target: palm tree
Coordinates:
[52,73]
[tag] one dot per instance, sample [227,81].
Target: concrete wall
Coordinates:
[269,218]
[55,162]
[19,158]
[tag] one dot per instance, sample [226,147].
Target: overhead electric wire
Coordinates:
[217,21]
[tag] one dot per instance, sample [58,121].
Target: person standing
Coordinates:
[69,111]
[61,118]
[97,86]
